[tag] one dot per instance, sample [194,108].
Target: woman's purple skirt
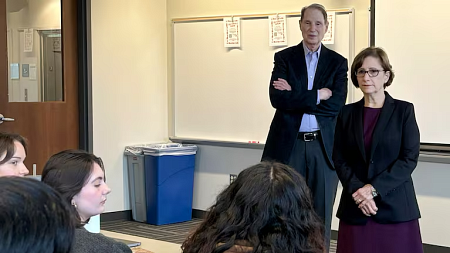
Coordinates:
[379,238]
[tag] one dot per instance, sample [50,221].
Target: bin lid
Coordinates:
[160,149]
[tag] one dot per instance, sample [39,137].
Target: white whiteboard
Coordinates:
[223,94]
[416,39]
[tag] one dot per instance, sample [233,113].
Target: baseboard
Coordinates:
[115,216]
[199,214]
[334,235]
[427,248]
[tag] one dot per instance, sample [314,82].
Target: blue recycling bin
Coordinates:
[164,180]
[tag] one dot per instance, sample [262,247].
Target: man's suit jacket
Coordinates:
[290,106]
[392,159]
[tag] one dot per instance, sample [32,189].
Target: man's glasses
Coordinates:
[371,72]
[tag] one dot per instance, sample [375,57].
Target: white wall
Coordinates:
[129,83]
[433,194]
[213,166]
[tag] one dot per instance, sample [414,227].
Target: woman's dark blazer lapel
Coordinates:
[383,120]
[359,134]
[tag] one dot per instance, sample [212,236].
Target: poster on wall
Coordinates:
[232,32]
[32,71]
[28,40]
[277,30]
[329,36]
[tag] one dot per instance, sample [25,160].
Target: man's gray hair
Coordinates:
[316,6]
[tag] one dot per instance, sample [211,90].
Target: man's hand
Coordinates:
[281,84]
[325,94]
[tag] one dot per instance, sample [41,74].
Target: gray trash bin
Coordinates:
[161,180]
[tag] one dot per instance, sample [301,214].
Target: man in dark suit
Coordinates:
[308,87]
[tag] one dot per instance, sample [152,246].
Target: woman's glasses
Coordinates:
[371,72]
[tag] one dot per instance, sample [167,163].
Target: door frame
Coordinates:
[84,75]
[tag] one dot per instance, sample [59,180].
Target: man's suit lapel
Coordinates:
[359,128]
[322,65]
[383,120]
[299,62]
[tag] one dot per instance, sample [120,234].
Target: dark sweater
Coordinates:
[87,242]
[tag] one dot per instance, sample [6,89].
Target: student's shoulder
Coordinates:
[86,241]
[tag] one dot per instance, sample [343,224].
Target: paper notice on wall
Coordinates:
[329,35]
[28,40]
[277,30]
[232,32]
[32,71]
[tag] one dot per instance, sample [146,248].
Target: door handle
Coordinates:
[5,119]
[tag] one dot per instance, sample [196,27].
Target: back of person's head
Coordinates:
[33,217]
[13,151]
[268,207]
[70,172]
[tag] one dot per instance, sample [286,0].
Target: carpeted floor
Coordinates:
[175,233]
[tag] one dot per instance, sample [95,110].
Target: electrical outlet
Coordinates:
[232,178]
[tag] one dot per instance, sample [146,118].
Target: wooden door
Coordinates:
[49,126]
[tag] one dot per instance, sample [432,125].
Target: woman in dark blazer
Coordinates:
[376,149]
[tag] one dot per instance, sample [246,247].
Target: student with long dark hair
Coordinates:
[80,178]
[267,209]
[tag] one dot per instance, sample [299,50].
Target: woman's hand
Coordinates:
[363,194]
[364,199]
[368,207]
